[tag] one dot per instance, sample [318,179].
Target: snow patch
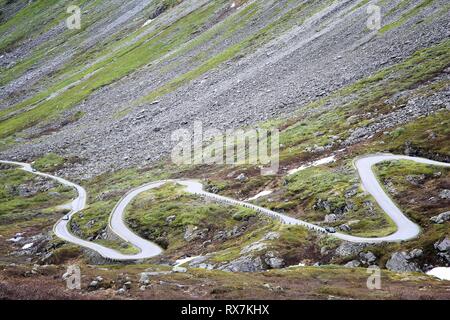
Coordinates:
[147,23]
[27,246]
[313,164]
[259,195]
[180,262]
[442,273]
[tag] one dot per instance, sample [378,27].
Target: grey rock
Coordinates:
[416,180]
[416,253]
[347,249]
[254,247]
[271,236]
[329,218]
[206,266]
[145,277]
[242,177]
[443,245]
[273,288]
[441,218]
[390,187]
[155,273]
[352,120]
[367,257]
[399,262]
[244,264]
[236,231]
[352,264]
[351,192]
[220,235]
[55,194]
[127,285]
[94,285]
[337,211]
[323,205]
[445,256]
[170,219]
[46,257]
[194,233]
[274,262]
[260,244]
[444,194]
[370,207]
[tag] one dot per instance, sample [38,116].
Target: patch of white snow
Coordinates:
[259,195]
[27,246]
[147,23]
[313,164]
[442,273]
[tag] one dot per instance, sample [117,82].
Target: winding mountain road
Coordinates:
[406,229]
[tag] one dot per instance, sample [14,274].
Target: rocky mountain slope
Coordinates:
[99,105]
[92,93]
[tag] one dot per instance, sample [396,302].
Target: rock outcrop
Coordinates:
[401,262]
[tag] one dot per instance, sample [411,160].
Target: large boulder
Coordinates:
[367,257]
[416,253]
[244,264]
[443,245]
[347,249]
[400,262]
[273,261]
[345,228]
[443,248]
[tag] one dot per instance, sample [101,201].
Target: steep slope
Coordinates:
[227,65]
[99,105]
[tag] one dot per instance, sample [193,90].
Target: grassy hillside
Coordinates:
[99,105]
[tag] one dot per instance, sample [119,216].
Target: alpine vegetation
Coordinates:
[224,150]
